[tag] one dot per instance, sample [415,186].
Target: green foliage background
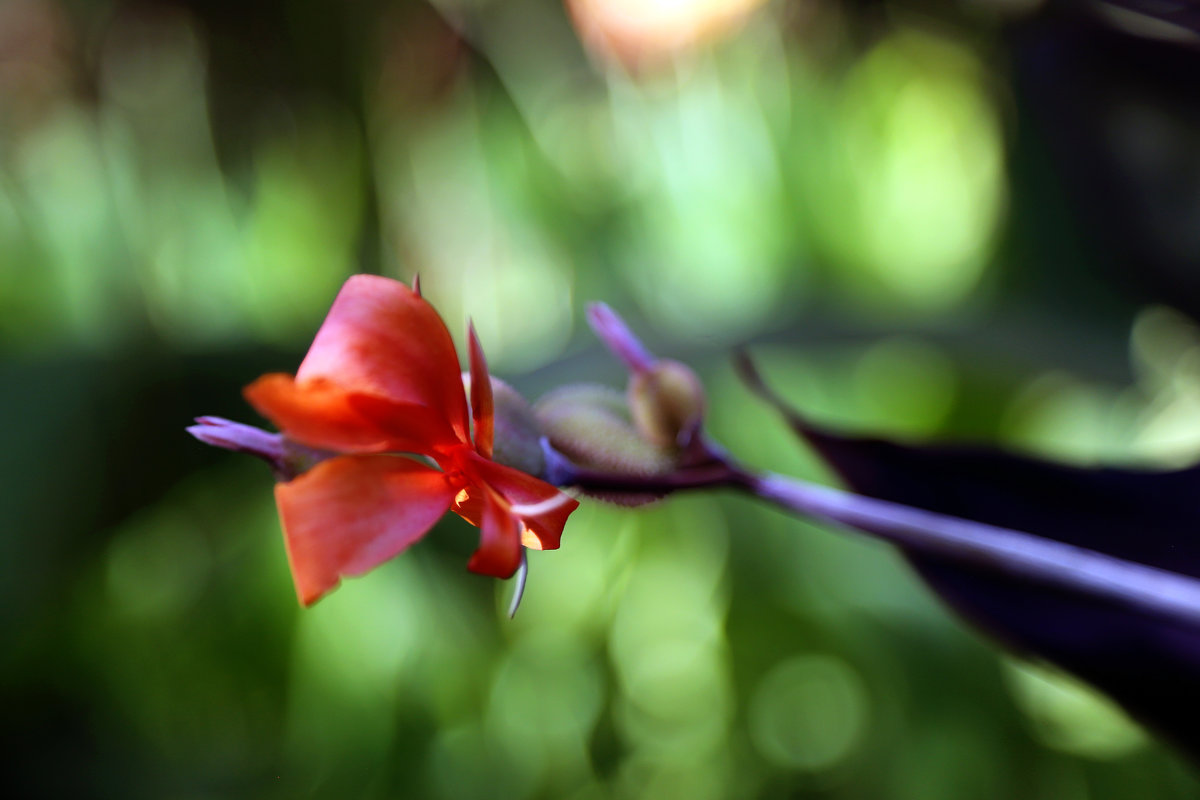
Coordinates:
[853,191]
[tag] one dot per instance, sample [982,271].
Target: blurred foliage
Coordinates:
[879,196]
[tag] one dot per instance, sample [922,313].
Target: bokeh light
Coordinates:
[906,234]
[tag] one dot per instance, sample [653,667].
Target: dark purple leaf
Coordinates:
[1150,663]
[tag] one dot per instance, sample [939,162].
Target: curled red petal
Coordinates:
[541,508]
[468,504]
[381,338]
[325,415]
[482,411]
[499,552]
[350,514]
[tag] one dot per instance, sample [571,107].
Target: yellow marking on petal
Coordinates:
[529,538]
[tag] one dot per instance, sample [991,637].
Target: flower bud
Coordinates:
[517,434]
[590,425]
[667,402]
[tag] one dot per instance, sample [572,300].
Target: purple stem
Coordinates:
[1015,553]
[1012,552]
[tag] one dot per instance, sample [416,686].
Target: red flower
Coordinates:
[381,379]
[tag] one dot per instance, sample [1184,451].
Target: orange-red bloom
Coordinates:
[382,378]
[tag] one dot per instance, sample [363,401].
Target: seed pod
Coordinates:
[666,401]
[591,426]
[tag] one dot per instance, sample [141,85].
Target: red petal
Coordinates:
[412,428]
[350,514]
[468,504]
[381,338]
[521,489]
[499,552]
[481,397]
[320,414]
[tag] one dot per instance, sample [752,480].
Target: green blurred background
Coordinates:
[971,220]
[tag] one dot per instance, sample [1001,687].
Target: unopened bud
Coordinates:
[617,337]
[286,457]
[667,402]
[665,397]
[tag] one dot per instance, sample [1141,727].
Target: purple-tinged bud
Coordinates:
[287,458]
[240,438]
[617,337]
[666,397]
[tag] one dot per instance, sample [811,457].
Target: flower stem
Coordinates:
[1023,555]
[1002,550]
